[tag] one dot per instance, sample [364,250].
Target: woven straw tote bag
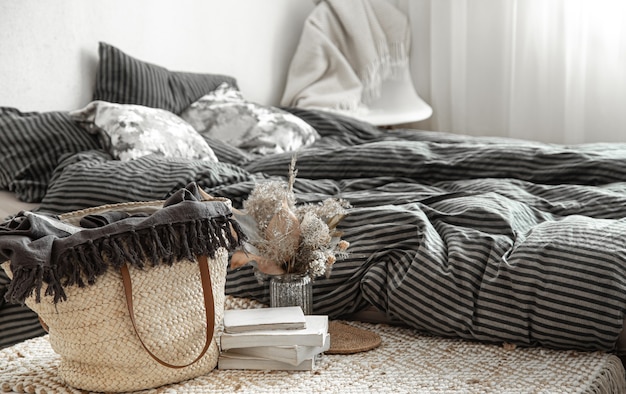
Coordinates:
[138,327]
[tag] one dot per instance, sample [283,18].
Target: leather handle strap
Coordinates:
[209,307]
[44,325]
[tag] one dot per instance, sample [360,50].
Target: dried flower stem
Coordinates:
[299,240]
[292,174]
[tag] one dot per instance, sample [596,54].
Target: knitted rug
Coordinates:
[405,362]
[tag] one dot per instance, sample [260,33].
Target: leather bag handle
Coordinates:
[209,307]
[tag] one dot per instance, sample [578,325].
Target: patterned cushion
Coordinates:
[123,79]
[31,144]
[132,131]
[224,114]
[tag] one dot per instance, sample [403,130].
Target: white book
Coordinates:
[231,361]
[313,335]
[277,318]
[294,354]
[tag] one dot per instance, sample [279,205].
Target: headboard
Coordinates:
[48,50]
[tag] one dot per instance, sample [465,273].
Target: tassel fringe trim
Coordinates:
[82,264]
[391,61]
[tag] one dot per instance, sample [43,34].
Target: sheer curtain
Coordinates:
[547,70]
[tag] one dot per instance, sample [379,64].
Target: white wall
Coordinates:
[48,49]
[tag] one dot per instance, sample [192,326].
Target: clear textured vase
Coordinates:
[292,290]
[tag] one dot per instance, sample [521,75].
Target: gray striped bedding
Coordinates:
[486,239]
[17,322]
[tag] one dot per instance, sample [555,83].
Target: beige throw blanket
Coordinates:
[347,48]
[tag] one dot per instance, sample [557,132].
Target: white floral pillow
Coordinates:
[225,115]
[132,131]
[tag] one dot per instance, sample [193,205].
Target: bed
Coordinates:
[487,241]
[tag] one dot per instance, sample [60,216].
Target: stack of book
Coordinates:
[280,338]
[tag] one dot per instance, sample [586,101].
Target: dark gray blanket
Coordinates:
[46,251]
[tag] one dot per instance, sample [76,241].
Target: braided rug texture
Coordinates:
[405,362]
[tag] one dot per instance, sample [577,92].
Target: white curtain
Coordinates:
[547,70]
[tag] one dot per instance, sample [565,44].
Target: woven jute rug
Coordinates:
[404,362]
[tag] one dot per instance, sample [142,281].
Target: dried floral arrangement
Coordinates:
[287,239]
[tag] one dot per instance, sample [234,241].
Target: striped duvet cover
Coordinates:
[481,238]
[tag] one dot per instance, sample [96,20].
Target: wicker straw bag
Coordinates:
[137,327]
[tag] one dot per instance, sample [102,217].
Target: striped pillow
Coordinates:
[90,179]
[31,144]
[123,79]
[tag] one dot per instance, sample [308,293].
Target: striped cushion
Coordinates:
[31,144]
[93,178]
[125,80]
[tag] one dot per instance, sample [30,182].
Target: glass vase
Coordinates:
[292,290]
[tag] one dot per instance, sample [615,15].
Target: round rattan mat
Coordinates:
[347,339]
